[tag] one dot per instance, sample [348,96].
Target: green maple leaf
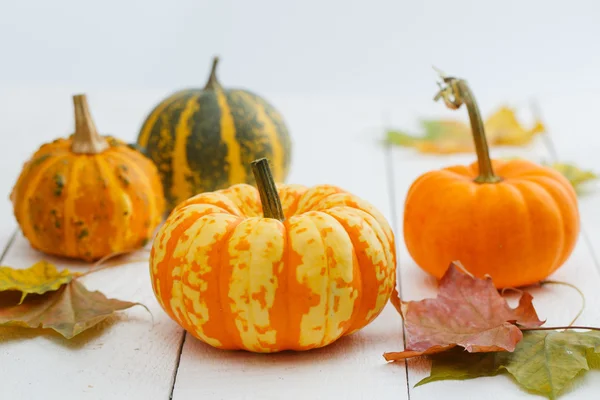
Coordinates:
[543,362]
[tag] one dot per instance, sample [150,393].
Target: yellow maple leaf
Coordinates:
[40,278]
[450,136]
[503,128]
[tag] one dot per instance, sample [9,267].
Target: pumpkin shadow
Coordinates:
[345,347]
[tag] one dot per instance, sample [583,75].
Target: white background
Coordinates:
[356,47]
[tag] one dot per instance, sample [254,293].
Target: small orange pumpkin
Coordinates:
[87,196]
[318,265]
[516,221]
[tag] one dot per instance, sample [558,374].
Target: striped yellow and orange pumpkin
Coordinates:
[204,139]
[87,196]
[318,265]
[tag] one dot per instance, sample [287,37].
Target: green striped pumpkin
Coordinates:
[205,139]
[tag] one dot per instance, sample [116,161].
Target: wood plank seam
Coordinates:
[9,244]
[387,150]
[174,379]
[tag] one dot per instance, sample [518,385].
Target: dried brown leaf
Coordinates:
[468,312]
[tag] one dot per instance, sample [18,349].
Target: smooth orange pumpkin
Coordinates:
[318,265]
[516,221]
[87,196]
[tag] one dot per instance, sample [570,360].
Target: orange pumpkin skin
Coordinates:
[518,230]
[237,280]
[86,206]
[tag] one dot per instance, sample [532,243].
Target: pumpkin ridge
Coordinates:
[162,267]
[298,286]
[154,115]
[23,201]
[308,197]
[285,273]
[118,235]
[267,296]
[359,302]
[213,198]
[161,144]
[326,321]
[284,139]
[179,299]
[368,222]
[536,189]
[244,201]
[285,191]
[69,210]
[250,134]
[270,130]
[345,199]
[193,206]
[179,160]
[251,320]
[148,169]
[229,131]
[559,188]
[199,286]
[221,249]
[318,342]
[205,148]
[225,268]
[446,206]
[145,179]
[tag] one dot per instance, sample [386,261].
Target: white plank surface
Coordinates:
[335,145]
[128,358]
[556,304]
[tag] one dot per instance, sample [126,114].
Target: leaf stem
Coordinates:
[551,282]
[555,328]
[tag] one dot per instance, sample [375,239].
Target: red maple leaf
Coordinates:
[468,312]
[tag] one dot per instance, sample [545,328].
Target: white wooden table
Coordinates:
[336,140]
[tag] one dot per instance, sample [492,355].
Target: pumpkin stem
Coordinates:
[86,139]
[456,94]
[213,83]
[271,204]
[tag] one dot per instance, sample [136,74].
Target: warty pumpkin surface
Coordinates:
[87,196]
[204,139]
[515,220]
[236,279]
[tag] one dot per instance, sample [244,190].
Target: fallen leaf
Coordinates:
[503,129]
[468,312]
[574,174]
[450,136]
[443,136]
[69,310]
[544,362]
[40,278]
